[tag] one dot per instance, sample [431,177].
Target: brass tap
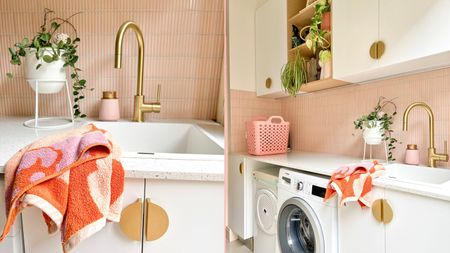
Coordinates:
[140,107]
[432,155]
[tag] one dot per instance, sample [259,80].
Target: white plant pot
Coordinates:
[51,76]
[373,135]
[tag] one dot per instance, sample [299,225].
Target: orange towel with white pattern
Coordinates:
[354,183]
[74,178]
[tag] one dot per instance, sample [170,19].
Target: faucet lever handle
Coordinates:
[158,93]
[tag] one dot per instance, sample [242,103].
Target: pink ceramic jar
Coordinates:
[412,154]
[109,107]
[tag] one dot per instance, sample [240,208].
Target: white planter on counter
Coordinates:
[51,76]
[373,135]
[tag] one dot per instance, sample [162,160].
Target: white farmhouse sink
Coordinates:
[164,137]
[417,174]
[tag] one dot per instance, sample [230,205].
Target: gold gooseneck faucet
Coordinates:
[432,155]
[139,105]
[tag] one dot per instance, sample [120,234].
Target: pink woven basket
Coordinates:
[267,137]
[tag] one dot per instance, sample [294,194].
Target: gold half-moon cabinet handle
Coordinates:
[382,211]
[377,50]
[131,220]
[268,82]
[157,221]
[241,168]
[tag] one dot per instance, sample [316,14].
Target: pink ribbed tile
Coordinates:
[183,53]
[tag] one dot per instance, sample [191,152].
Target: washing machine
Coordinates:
[306,224]
[265,210]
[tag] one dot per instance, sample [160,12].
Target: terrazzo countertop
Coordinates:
[325,164]
[13,136]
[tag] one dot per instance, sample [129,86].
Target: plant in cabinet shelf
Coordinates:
[325,64]
[293,75]
[319,28]
[46,57]
[377,124]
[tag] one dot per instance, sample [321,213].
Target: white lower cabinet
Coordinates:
[109,239]
[358,230]
[420,224]
[195,211]
[196,216]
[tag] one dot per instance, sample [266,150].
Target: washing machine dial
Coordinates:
[299,186]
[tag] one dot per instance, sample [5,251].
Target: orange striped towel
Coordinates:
[354,183]
[73,177]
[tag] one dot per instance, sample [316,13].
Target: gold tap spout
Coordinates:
[139,105]
[432,155]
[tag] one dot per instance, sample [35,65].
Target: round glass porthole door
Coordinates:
[299,230]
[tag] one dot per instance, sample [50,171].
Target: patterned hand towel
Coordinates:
[75,178]
[354,183]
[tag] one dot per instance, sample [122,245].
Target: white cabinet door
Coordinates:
[414,29]
[358,229]
[13,243]
[419,224]
[271,47]
[355,28]
[196,216]
[109,239]
[240,219]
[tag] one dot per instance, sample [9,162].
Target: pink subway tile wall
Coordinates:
[183,53]
[323,121]
[244,107]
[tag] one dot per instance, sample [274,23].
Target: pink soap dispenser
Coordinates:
[412,154]
[109,107]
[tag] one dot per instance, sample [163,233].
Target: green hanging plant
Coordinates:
[316,37]
[55,46]
[293,75]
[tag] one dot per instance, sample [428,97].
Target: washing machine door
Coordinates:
[266,211]
[299,229]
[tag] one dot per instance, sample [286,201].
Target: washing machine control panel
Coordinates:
[302,184]
[299,186]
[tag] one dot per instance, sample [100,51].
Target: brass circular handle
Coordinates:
[377,50]
[268,82]
[382,211]
[241,168]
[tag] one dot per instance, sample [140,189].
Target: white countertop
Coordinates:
[325,164]
[13,136]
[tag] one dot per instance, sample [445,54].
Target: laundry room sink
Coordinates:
[417,174]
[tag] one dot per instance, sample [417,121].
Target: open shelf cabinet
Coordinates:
[299,13]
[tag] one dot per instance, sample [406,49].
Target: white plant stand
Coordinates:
[49,122]
[370,151]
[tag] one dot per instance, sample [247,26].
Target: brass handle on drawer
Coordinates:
[241,168]
[377,50]
[131,220]
[268,82]
[382,211]
[157,221]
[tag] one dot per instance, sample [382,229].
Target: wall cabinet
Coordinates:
[418,225]
[194,210]
[416,40]
[271,47]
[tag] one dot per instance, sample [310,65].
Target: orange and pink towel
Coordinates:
[354,183]
[74,178]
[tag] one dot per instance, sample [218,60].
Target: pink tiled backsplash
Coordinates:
[323,121]
[183,52]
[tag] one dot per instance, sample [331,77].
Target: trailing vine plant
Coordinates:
[51,46]
[379,114]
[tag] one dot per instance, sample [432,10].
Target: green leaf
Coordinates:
[45,37]
[83,116]
[36,44]
[48,58]
[75,93]
[11,51]
[9,75]
[25,42]
[38,66]
[55,25]
[73,76]
[82,82]
[22,52]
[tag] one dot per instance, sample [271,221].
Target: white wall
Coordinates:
[241,34]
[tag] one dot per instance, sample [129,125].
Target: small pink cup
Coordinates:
[109,107]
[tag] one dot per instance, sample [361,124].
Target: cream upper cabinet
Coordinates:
[354,31]
[415,35]
[271,47]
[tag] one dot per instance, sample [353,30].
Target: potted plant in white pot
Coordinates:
[376,125]
[47,56]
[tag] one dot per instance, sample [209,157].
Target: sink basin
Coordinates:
[164,137]
[417,174]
